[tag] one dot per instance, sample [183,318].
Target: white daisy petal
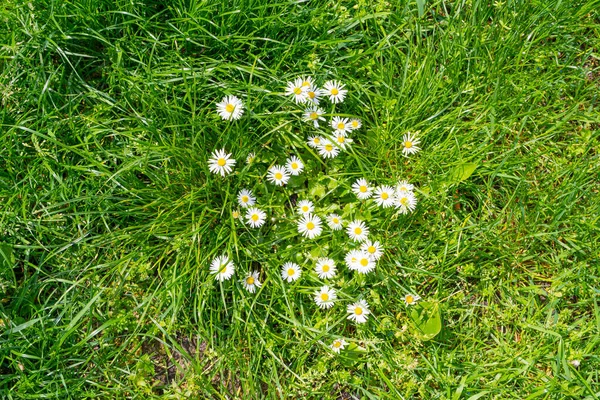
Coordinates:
[327,149]
[357,230]
[255,217]
[374,249]
[362,189]
[335,222]
[246,198]
[338,344]
[384,196]
[325,297]
[222,268]
[410,144]
[335,90]
[305,207]
[230,108]
[296,90]
[411,299]
[325,268]
[251,282]
[221,162]
[313,114]
[406,202]
[310,226]
[278,175]
[358,312]
[290,272]
[294,165]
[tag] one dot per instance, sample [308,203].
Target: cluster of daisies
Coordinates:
[364,256]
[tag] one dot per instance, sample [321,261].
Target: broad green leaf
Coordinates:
[421,7]
[462,172]
[426,320]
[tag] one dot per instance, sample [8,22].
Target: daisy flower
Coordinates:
[410,144]
[358,311]
[341,125]
[222,267]
[404,186]
[338,344]
[357,230]
[296,89]
[290,271]
[278,175]
[294,165]
[355,123]
[364,263]
[230,108]
[314,94]
[325,268]
[411,299]
[325,297]
[328,149]
[406,202]
[220,162]
[384,196]
[245,198]
[235,214]
[362,189]
[251,282]
[305,207]
[335,90]
[314,115]
[250,158]
[255,217]
[374,249]
[310,226]
[334,221]
[315,141]
[351,259]
[307,82]
[342,140]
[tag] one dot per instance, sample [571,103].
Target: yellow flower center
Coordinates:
[306,83]
[311,95]
[409,299]
[294,165]
[221,162]
[357,230]
[278,175]
[337,344]
[297,91]
[310,226]
[325,268]
[358,311]
[371,249]
[291,272]
[317,140]
[408,144]
[254,217]
[363,189]
[336,221]
[229,108]
[364,262]
[334,91]
[314,115]
[304,208]
[384,196]
[404,201]
[354,124]
[245,199]
[341,125]
[341,139]
[324,296]
[223,269]
[250,280]
[235,214]
[329,147]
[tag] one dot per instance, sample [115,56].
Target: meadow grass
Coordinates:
[110,218]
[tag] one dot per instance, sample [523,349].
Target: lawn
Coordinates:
[110,217]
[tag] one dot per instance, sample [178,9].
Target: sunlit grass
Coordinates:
[109,216]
